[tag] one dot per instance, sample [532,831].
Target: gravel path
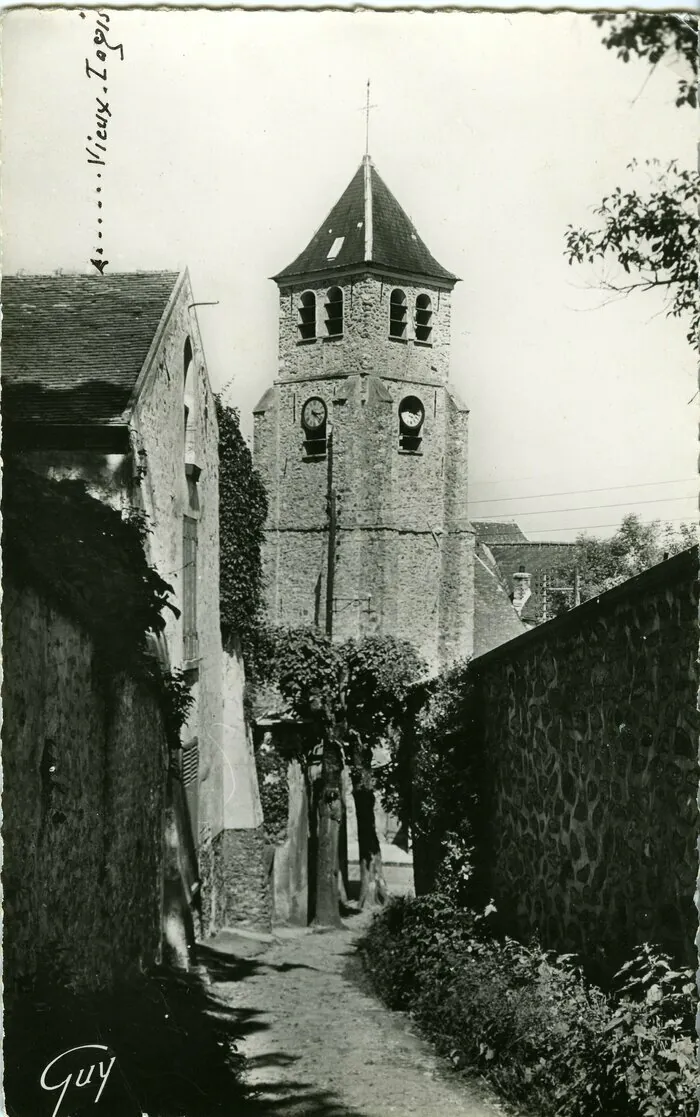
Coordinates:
[320,1045]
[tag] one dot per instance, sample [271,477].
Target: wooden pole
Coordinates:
[332,529]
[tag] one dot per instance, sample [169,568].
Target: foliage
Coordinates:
[306,667]
[650,1035]
[651,234]
[274,791]
[380,672]
[176,702]
[435,782]
[87,560]
[655,37]
[529,1022]
[242,513]
[635,547]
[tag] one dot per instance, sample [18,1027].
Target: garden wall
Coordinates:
[590,737]
[84,771]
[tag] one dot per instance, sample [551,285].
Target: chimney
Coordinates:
[521,590]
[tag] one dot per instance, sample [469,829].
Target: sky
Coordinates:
[233,133]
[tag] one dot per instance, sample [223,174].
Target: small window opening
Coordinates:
[306,323]
[190,407]
[335,248]
[411,419]
[398,314]
[189,589]
[334,312]
[424,319]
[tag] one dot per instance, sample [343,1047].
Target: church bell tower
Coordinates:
[361,441]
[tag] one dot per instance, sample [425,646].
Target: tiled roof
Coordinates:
[74,345]
[495,619]
[506,532]
[372,228]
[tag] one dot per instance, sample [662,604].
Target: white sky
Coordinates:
[233,133]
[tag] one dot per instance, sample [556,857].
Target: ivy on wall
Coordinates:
[89,563]
[242,514]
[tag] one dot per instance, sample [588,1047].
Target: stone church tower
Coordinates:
[361,441]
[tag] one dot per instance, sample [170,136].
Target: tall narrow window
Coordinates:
[306,323]
[398,315]
[424,319]
[189,774]
[334,312]
[186,370]
[189,590]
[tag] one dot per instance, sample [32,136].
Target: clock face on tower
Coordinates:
[412,413]
[313,414]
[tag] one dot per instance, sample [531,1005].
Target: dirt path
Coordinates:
[322,1046]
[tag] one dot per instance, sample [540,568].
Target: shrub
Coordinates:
[529,1022]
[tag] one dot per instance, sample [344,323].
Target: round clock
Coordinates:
[412,413]
[313,414]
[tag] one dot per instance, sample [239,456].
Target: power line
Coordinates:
[575,492]
[545,476]
[588,527]
[591,507]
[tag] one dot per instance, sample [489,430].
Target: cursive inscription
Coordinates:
[79,1076]
[97,70]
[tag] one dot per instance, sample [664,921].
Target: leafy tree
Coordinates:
[656,37]
[651,233]
[635,546]
[380,674]
[242,513]
[348,696]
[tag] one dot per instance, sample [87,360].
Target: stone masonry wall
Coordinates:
[404,561]
[591,731]
[84,773]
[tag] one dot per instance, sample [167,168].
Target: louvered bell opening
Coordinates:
[334,312]
[424,319]
[398,315]
[307,317]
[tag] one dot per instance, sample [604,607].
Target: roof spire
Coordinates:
[367,111]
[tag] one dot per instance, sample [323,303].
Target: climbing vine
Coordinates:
[242,513]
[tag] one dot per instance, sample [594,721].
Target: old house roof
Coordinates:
[73,346]
[507,532]
[495,618]
[367,226]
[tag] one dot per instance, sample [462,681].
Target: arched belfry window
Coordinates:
[306,323]
[334,312]
[424,320]
[411,419]
[190,406]
[398,315]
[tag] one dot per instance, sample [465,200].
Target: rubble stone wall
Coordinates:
[84,774]
[590,729]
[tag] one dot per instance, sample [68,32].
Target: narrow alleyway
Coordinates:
[319,1044]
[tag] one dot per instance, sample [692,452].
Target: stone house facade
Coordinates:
[105,380]
[361,440]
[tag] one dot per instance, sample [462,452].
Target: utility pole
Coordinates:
[332,530]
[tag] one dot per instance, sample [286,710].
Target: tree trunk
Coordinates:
[330,813]
[373,887]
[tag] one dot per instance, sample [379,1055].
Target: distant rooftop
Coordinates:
[501,532]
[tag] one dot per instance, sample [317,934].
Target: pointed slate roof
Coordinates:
[367,226]
[73,345]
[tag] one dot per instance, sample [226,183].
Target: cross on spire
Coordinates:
[367,112]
